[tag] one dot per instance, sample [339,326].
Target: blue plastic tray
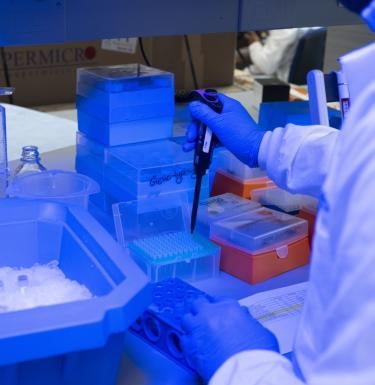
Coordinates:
[78,342]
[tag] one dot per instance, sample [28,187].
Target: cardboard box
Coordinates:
[46,74]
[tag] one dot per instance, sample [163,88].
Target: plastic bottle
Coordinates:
[30,162]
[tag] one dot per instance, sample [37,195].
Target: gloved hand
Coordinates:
[356,6]
[217,331]
[234,127]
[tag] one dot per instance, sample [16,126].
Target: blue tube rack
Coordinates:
[160,325]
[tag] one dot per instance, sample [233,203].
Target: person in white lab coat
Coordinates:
[335,342]
[273,56]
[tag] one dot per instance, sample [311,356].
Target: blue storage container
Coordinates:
[100,206]
[78,342]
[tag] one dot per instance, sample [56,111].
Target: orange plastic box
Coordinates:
[260,244]
[225,182]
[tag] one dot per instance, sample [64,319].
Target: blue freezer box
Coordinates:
[88,147]
[72,343]
[279,114]
[216,157]
[160,325]
[90,157]
[91,166]
[122,78]
[121,193]
[125,104]
[100,207]
[114,134]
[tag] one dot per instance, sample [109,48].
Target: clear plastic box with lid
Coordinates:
[278,199]
[229,163]
[156,233]
[219,207]
[152,168]
[121,78]
[260,230]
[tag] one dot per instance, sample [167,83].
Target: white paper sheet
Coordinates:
[279,310]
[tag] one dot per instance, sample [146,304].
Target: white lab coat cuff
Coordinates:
[263,150]
[255,47]
[249,367]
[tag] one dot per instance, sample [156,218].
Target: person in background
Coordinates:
[272,55]
[335,341]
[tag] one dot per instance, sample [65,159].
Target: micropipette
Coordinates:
[204,146]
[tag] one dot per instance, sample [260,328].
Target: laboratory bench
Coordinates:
[141,364]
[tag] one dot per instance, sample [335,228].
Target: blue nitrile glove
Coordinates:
[234,128]
[356,6]
[217,331]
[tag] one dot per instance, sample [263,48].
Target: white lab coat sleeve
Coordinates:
[256,367]
[297,158]
[343,275]
[266,58]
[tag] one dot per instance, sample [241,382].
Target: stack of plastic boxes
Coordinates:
[125,119]
[235,177]
[125,104]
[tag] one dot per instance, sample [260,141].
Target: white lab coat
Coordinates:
[335,342]
[275,57]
